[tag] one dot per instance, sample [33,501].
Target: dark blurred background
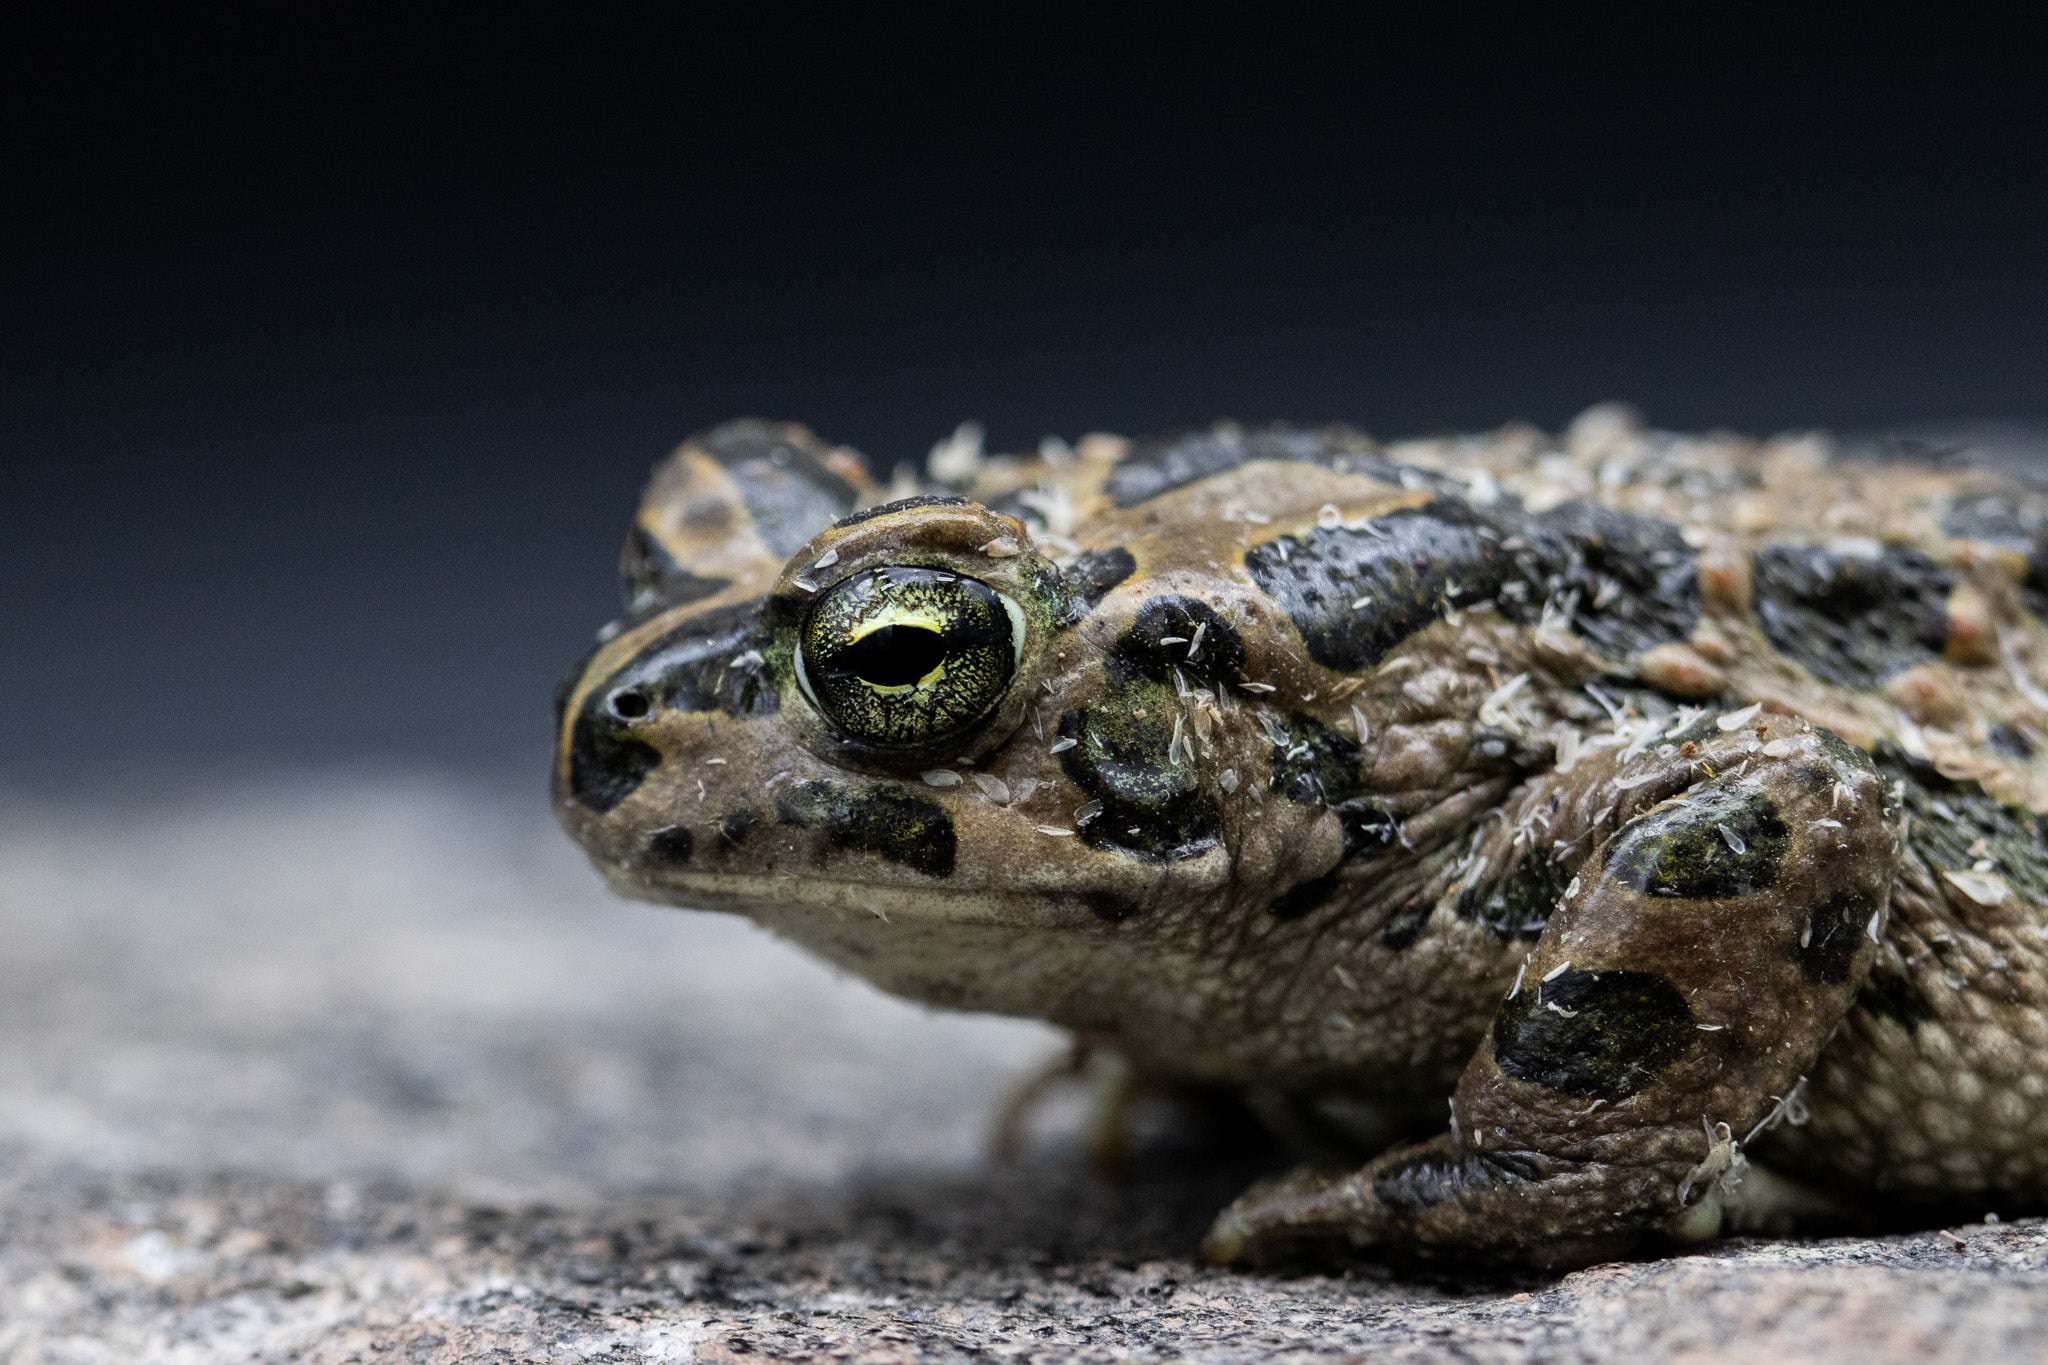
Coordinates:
[335,341]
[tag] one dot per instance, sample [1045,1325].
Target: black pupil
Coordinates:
[893,656]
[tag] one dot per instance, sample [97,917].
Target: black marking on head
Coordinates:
[874,818]
[712,662]
[709,662]
[1519,902]
[1718,842]
[1428,1178]
[1090,577]
[1151,808]
[670,844]
[1947,818]
[900,505]
[606,763]
[789,490]
[737,825]
[1159,466]
[1631,581]
[2009,741]
[1166,628]
[1611,1033]
[1850,619]
[1405,563]
[651,581]
[1832,934]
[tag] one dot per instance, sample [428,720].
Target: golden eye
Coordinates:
[901,657]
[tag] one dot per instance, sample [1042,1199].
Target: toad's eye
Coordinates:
[901,658]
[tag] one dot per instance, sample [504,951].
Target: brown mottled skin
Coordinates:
[1660,811]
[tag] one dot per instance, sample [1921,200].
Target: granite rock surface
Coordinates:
[375,1070]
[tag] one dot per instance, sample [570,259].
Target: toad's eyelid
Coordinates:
[1016,628]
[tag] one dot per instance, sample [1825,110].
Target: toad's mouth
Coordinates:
[775,899]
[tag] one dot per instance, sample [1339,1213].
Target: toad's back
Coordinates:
[1640,793]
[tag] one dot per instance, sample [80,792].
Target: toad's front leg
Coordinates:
[1693,969]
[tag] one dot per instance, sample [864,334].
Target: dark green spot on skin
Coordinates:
[1317,766]
[1518,903]
[1716,843]
[1833,933]
[1151,808]
[1603,1035]
[1947,818]
[671,844]
[606,763]
[1178,635]
[1851,619]
[877,819]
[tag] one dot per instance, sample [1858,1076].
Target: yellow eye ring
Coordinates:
[902,657]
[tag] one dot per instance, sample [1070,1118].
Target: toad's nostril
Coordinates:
[630,704]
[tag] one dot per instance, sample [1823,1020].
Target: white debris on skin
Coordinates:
[1498,709]
[1984,887]
[1735,720]
[940,777]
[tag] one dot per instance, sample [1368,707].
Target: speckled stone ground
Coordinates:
[373,1070]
